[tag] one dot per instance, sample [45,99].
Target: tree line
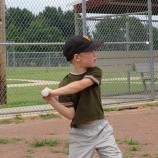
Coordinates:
[55,25]
[117,29]
[51,25]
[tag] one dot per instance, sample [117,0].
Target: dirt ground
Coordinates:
[136,132]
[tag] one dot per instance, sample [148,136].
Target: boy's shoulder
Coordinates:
[64,81]
[95,74]
[94,70]
[70,78]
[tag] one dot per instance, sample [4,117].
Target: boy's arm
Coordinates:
[73,87]
[65,111]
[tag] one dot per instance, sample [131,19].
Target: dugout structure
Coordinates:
[3,86]
[117,6]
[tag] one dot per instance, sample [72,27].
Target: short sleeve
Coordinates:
[95,74]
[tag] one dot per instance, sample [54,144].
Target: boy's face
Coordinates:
[87,59]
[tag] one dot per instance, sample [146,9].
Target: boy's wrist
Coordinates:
[52,93]
[47,91]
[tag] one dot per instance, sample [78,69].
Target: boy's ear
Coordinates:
[76,57]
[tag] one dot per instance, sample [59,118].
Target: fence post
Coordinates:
[3,86]
[151,59]
[127,49]
[84,17]
[14,56]
[76,24]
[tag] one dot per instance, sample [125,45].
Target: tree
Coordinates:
[17,21]
[52,16]
[114,30]
[155,38]
[12,32]
[138,32]
[110,30]
[39,31]
[68,24]
[64,21]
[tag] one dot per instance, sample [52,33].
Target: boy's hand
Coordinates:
[53,100]
[47,98]
[48,92]
[45,92]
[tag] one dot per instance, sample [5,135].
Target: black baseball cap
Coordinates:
[78,44]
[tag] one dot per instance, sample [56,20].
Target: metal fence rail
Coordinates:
[35,37]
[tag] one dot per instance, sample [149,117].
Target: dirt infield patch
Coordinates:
[135,131]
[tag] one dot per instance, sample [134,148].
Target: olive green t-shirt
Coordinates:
[87,103]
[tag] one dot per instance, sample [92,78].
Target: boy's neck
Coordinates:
[78,70]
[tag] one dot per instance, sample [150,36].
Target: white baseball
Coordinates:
[147,42]
[45,92]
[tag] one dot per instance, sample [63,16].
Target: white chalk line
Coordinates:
[31,83]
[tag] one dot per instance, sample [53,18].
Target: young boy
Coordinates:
[80,101]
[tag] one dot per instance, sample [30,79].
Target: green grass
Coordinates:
[10,140]
[151,106]
[146,155]
[66,148]
[16,82]
[131,141]
[55,74]
[25,96]
[119,87]
[131,146]
[6,121]
[47,116]
[128,141]
[20,118]
[4,141]
[134,148]
[16,119]
[40,143]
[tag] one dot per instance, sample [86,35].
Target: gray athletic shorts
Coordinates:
[95,136]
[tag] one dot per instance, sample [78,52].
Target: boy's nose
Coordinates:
[93,52]
[94,55]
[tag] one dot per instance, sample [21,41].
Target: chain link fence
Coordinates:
[36,32]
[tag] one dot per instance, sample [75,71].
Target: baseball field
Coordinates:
[24,84]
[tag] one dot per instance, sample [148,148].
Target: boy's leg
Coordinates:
[106,145]
[78,151]
[79,145]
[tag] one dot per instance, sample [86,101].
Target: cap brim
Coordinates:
[95,45]
[98,44]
